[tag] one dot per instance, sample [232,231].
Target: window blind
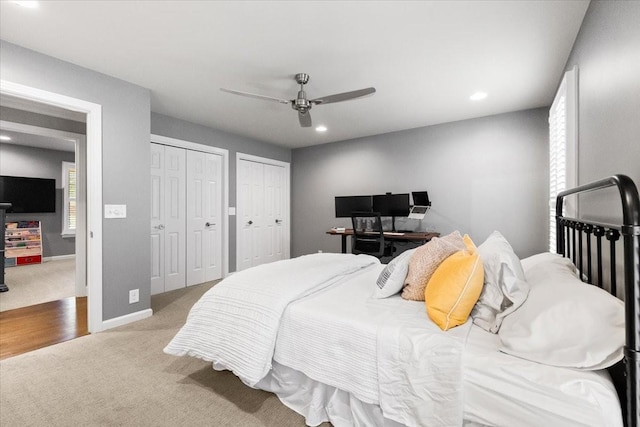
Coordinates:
[562,148]
[70,190]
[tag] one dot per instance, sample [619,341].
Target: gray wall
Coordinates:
[607,54]
[16,160]
[482,175]
[125,137]
[180,129]
[41,120]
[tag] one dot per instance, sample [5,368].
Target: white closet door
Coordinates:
[260,213]
[247,172]
[168,252]
[157,218]
[204,217]
[257,213]
[213,216]
[273,213]
[175,218]
[243,196]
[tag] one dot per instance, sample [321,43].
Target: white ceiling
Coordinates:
[425,58]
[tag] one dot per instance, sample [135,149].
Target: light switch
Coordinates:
[115,211]
[232,210]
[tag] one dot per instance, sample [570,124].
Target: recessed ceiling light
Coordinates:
[28,4]
[478,96]
[5,138]
[321,128]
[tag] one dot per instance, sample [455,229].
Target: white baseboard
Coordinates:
[126,319]
[58,257]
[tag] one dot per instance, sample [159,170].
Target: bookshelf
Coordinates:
[23,243]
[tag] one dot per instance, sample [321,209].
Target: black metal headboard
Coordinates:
[574,240]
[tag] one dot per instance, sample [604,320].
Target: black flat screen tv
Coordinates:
[345,205]
[391,204]
[28,195]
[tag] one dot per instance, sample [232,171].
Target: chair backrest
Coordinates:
[368,237]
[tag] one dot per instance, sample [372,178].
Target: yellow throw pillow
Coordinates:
[455,287]
[468,243]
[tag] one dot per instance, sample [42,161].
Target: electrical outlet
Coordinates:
[134,296]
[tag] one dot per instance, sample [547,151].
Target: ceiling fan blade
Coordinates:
[253,95]
[305,119]
[345,96]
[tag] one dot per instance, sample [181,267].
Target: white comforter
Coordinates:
[235,323]
[384,352]
[420,371]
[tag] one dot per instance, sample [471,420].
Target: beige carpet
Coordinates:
[121,377]
[37,283]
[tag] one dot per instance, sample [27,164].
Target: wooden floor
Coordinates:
[29,328]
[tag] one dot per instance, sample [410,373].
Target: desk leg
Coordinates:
[344,243]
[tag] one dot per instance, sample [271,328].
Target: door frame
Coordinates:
[93,163]
[287,201]
[179,143]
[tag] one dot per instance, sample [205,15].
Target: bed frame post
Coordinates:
[588,229]
[599,233]
[630,231]
[559,235]
[631,234]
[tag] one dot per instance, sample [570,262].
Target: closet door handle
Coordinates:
[250,222]
[278,221]
[159,227]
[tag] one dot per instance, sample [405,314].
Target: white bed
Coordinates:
[498,389]
[343,356]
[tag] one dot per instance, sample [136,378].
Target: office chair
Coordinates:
[368,237]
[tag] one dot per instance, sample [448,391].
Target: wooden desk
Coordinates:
[415,236]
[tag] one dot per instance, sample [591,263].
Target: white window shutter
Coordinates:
[69,191]
[562,149]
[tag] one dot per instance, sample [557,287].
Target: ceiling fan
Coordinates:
[302,104]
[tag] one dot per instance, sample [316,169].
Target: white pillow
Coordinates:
[505,287]
[565,322]
[391,279]
[552,264]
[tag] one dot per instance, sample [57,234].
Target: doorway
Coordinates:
[59,242]
[46,298]
[92,162]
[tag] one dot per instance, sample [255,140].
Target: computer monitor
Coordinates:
[421,198]
[391,204]
[345,205]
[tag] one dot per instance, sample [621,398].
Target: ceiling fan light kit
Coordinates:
[302,104]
